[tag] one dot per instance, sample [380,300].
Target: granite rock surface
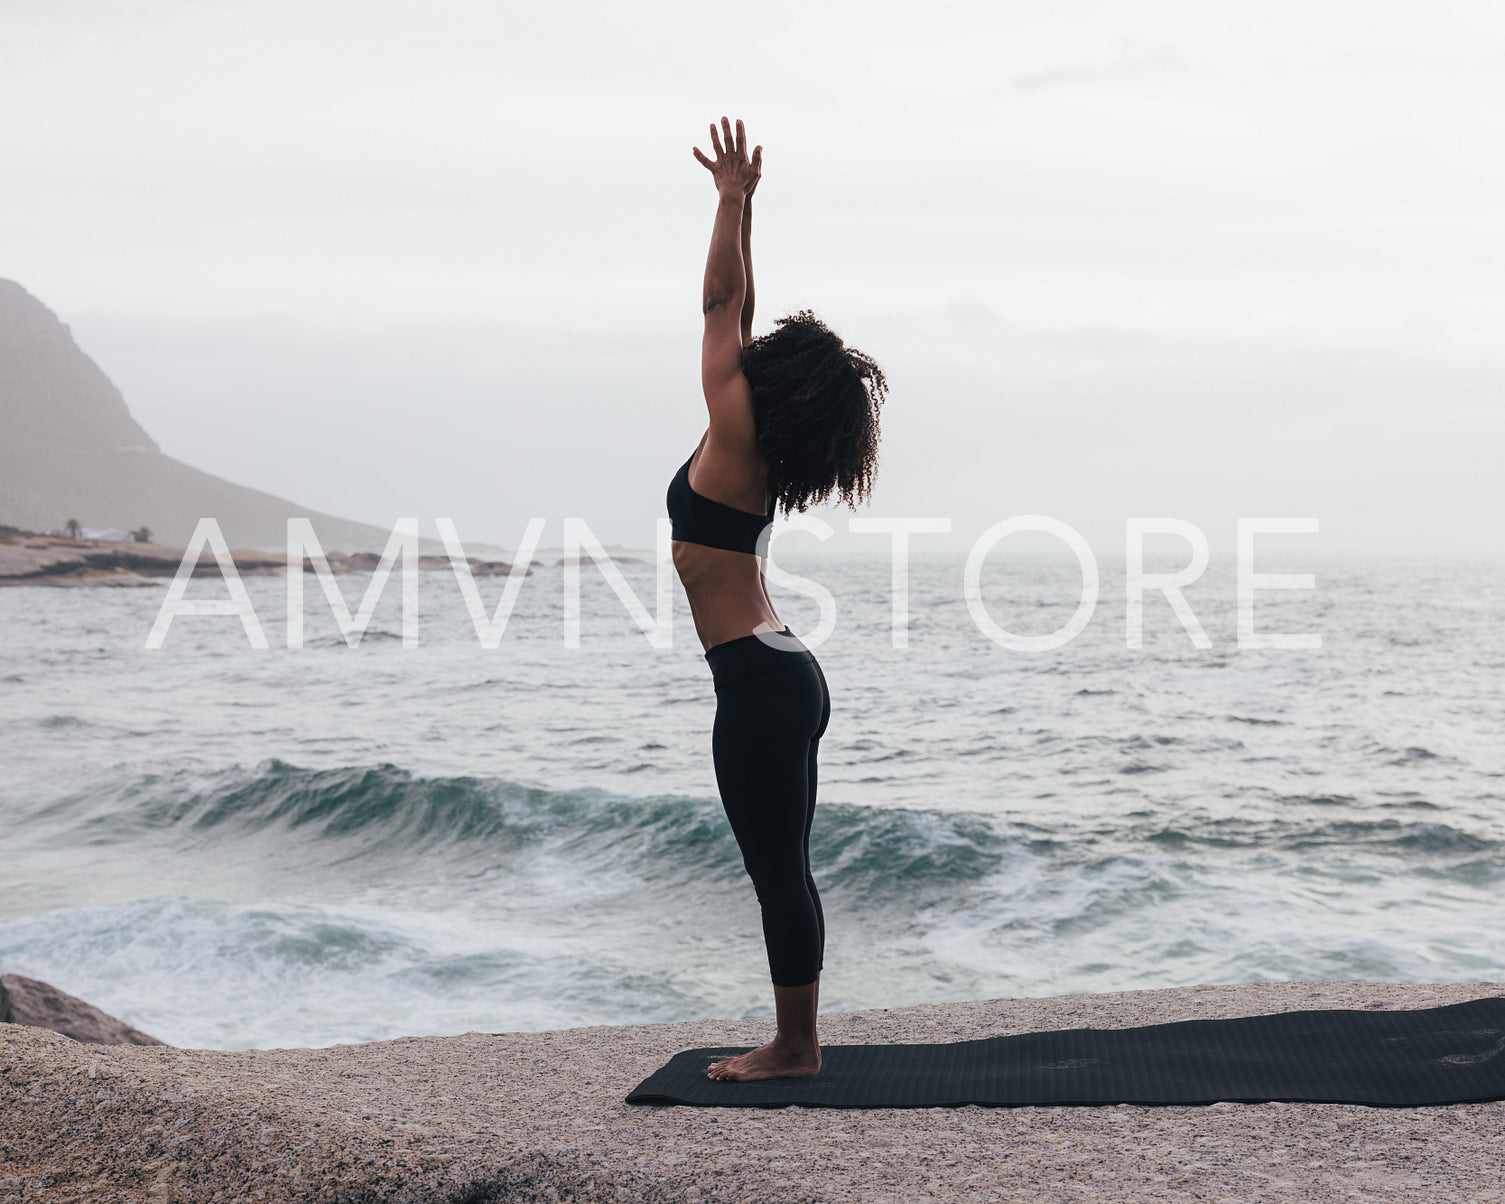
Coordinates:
[486,1117]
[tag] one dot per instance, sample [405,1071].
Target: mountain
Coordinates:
[69,448]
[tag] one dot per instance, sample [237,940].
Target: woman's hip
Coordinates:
[759,654]
[768,687]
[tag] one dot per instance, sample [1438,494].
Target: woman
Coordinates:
[793,420]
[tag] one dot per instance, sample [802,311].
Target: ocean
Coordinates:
[234,848]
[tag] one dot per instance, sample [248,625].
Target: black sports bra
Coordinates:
[698,519]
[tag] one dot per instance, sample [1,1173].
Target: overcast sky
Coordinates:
[1172,259]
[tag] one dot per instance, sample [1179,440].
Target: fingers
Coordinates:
[757,160]
[728,142]
[703,160]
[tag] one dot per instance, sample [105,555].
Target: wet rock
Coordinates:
[39,1004]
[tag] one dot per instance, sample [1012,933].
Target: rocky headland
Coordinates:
[70,448]
[489,1117]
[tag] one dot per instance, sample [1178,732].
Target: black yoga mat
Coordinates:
[1446,1055]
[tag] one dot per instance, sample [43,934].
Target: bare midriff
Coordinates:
[728,598]
[727,593]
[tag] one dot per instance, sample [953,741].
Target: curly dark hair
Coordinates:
[816,403]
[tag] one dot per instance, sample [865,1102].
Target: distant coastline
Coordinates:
[37,559]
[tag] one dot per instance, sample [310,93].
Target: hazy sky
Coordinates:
[1196,260]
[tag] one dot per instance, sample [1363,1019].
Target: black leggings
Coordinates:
[772,707]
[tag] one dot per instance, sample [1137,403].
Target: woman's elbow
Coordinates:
[728,301]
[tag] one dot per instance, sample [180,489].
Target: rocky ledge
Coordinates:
[491,1117]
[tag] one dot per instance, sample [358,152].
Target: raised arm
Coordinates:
[725,289]
[727,293]
[747,301]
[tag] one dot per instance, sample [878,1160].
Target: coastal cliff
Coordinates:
[69,448]
[491,1117]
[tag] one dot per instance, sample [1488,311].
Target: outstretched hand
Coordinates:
[733,171]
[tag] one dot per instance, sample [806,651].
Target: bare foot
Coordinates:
[775,1060]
